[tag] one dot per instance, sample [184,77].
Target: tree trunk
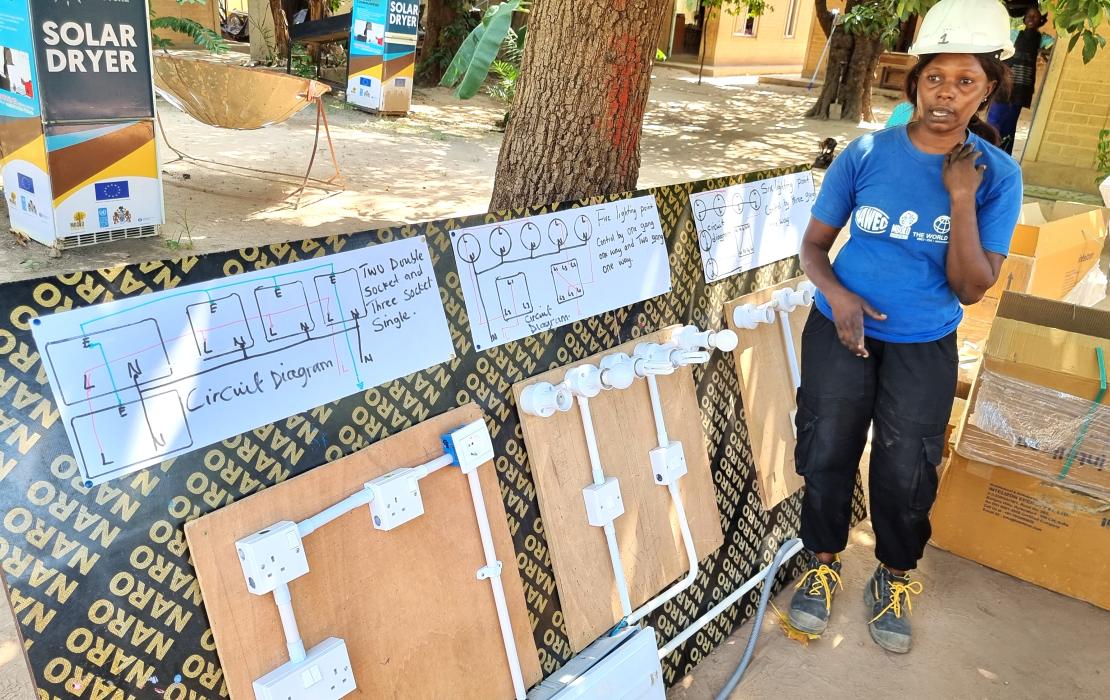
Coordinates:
[866,113]
[861,66]
[281,27]
[580,100]
[840,55]
[438,16]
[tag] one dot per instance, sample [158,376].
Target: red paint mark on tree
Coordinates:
[623,104]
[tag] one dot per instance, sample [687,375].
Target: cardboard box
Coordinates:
[959,408]
[1053,248]
[1026,527]
[1064,240]
[1037,404]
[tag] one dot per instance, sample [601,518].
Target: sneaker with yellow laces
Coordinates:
[812,601]
[887,596]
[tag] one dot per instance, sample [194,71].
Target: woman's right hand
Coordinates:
[848,310]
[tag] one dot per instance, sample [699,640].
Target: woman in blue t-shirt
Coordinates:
[931,208]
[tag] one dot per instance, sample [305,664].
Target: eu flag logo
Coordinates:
[116,189]
[26,183]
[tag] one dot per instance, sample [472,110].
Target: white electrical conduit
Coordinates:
[610,531]
[791,355]
[495,581]
[289,623]
[683,524]
[657,411]
[726,603]
[362,498]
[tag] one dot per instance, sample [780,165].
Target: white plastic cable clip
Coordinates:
[749,316]
[489,571]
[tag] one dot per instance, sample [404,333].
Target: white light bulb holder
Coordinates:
[653,358]
[808,290]
[617,371]
[681,358]
[689,337]
[646,367]
[543,399]
[789,299]
[750,316]
[584,381]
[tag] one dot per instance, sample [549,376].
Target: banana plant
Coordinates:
[202,36]
[471,65]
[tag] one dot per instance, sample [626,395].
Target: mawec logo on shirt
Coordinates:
[872,219]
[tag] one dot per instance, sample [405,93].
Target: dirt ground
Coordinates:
[438,161]
[977,634]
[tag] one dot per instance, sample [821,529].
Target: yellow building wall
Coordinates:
[1074,107]
[207,14]
[727,53]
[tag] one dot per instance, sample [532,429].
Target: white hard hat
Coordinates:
[965,26]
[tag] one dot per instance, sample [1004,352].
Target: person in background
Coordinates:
[5,71]
[1029,43]
[931,209]
[902,114]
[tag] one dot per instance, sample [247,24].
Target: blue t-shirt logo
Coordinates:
[872,219]
[900,265]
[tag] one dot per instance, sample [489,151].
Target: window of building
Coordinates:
[746,24]
[791,19]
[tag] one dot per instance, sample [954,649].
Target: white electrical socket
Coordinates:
[603,502]
[668,464]
[470,445]
[396,498]
[325,674]
[271,557]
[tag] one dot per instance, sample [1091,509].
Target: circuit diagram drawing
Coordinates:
[144,379]
[745,226]
[530,275]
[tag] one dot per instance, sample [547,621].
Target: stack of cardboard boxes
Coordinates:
[1027,488]
[1054,254]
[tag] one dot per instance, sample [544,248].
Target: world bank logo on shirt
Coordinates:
[25,183]
[942,224]
[115,189]
[872,219]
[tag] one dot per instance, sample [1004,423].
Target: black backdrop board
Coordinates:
[93,59]
[100,577]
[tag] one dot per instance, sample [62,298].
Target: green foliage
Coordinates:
[471,65]
[202,36]
[504,87]
[755,8]
[874,19]
[1102,155]
[434,63]
[300,63]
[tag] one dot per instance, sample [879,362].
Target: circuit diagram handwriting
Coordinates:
[742,227]
[144,379]
[534,274]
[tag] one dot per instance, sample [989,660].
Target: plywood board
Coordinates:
[648,535]
[417,621]
[769,395]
